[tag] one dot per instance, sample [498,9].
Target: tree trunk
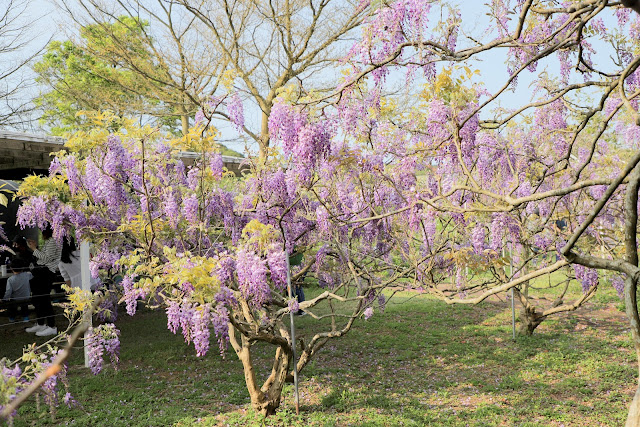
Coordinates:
[268,400]
[184,119]
[264,135]
[633,419]
[265,399]
[264,404]
[630,285]
[530,320]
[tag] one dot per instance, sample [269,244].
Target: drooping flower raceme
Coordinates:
[100,340]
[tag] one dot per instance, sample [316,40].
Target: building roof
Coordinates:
[23,153]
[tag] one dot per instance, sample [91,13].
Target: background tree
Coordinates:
[202,51]
[116,65]
[81,83]
[17,51]
[91,76]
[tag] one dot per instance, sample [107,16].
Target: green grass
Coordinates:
[420,363]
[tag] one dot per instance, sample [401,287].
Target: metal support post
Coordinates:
[513,297]
[293,341]
[85,274]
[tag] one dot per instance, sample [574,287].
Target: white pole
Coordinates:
[85,274]
[513,314]
[293,340]
[513,301]
[513,297]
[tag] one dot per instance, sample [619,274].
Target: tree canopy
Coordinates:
[201,53]
[112,68]
[91,75]
[17,50]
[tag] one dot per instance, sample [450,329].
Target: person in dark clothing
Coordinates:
[299,293]
[43,277]
[561,224]
[295,260]
[21,249]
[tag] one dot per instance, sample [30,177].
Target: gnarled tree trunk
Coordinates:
[530,319]
[633,418]
[265,399]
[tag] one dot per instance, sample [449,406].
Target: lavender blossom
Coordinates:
[617,282]
[277,260]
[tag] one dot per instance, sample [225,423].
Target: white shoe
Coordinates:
[47,331]
[35,328]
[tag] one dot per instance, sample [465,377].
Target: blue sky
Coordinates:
[52,23]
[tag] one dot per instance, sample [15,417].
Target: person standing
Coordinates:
[69,265]
[44,275]
[295,260]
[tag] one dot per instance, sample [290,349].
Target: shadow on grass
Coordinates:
[13,337]
[419,363]
[462,365]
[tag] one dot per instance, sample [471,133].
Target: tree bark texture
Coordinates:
[530,320]
[265,399]
[630,287]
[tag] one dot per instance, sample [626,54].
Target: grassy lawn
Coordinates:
[419,363]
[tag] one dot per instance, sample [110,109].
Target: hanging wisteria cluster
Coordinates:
[100,341]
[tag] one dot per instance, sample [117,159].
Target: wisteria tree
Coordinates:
[549,183]
[213,250]
[433,186]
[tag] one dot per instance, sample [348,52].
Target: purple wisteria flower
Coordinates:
[617,282]
[190,207]
[478,238]
[216,165]
[235,110]
[252,277]
[131,294]
[100,340]
[220,321]
[588,277]
[200,329]
[277,261]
